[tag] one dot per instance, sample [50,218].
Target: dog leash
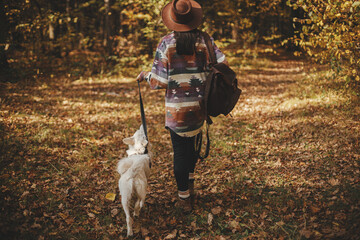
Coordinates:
[143,119]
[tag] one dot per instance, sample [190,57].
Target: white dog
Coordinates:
[134,171]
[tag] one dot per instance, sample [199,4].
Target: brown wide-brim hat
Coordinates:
[182,15]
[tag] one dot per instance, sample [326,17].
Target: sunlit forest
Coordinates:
[285,165]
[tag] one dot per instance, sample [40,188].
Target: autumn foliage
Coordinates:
[78,37]
[284,166]
[330,33]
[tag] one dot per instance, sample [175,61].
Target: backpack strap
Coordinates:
[198,143]
[198,139]
[210,48]
[213,61]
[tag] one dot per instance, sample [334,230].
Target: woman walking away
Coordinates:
[180,68]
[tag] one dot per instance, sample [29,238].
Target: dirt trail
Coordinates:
[285,166]
[266,86]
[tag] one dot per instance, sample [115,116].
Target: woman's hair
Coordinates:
[186,42]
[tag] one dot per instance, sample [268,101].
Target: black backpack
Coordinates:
[221,92]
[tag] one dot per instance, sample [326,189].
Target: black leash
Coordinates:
[143,119]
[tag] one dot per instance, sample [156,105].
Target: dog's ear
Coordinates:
[129,141]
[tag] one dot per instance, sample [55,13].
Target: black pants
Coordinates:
[185,159]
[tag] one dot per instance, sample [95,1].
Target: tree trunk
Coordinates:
[68,13]
[234,30]
[68,25]
[51,31]
[107,41]
[79,35]
[4,26]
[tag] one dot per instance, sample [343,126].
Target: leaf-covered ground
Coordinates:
[284,166]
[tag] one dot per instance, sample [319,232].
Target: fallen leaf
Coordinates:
[210,218]
[114,212]
[216,210]
[219,201]
[26,212]
[193,225]
[306,233]
[280,223]
[334,181]
[144,232]
[25,193]
[173,221]
[36,225]
[91,215]
[234,224]
[69,221]
[63,216]
[315,209]
[214,190]
[110,196]
[171,235]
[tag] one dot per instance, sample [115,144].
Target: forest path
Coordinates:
[285,166]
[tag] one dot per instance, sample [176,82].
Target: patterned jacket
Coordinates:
[183,77]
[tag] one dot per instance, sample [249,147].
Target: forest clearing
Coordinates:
[284,166]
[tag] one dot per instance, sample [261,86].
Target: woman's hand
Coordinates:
[141,76]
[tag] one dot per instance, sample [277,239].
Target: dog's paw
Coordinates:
[129,234]
[130,231]
[137,213]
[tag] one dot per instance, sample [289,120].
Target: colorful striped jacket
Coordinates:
[183,77]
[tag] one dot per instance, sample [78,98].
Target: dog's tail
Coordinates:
[140,166]
[123,165]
